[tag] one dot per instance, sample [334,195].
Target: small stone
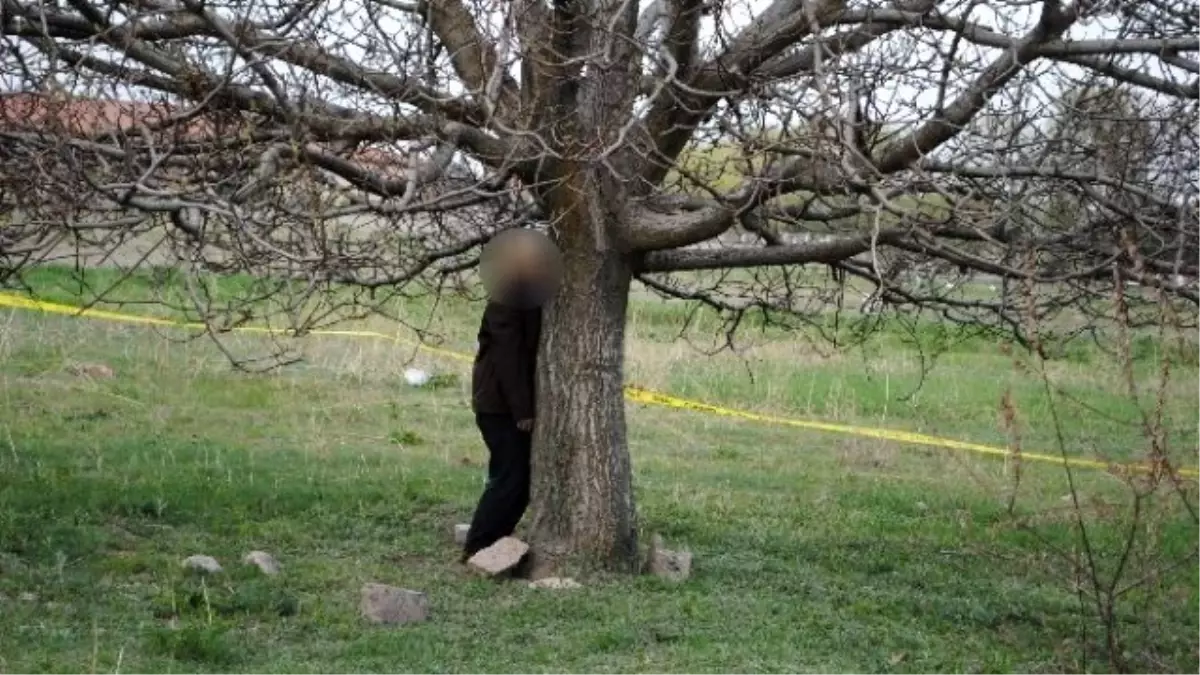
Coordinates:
[264,561]
[555,583]
[922,506]
[390,605]
[202,563]
[500,557]
[95,370]
[28,597]
[667,564]
[460,533]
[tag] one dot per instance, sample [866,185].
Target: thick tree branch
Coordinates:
[683,30]
[474,57]
[986,37]
[867,30]
[325,121]
[950,122]
[651,17]
[1047,171]
[677,112]
[660,223]
[29,21]
[418,174]
[830,251]
[556,41]
[1094,55]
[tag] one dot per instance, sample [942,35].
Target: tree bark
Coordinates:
[582,494]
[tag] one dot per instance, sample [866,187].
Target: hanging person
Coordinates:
[520,272]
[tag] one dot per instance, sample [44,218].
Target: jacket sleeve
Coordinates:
[513,362]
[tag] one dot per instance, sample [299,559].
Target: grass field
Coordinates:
[814,553]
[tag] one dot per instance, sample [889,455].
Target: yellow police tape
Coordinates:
[636,394]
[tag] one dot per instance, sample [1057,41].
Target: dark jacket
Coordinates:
[502,380]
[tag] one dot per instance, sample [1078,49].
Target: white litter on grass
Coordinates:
[202,563]
[556,583]
[416,377]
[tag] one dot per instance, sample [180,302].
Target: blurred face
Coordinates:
[520,268]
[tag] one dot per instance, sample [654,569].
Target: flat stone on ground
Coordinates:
[202,563]
[500,557]
[385,604]
[263,561]
[460,533]
[667,564]
[673,565]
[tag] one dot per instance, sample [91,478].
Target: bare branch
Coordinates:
[818,252]
[674,116]
[948,123]
[474,57]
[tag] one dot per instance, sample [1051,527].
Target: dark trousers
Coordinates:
[507,492]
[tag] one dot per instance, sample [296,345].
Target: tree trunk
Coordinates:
[582,496]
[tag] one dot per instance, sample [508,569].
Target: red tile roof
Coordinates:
[38,112]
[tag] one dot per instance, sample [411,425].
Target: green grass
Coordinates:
[813,552]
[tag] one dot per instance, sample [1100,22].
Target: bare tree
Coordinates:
[344,150]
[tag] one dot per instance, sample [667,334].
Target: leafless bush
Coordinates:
[1125,557]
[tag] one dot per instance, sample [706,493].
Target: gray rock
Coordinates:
[384,604]
[555,583]
[500,557]
[264,561]
[202,563]
[460,533]
[667,564]
[93,370]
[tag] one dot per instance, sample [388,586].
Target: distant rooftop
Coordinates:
[47,112]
